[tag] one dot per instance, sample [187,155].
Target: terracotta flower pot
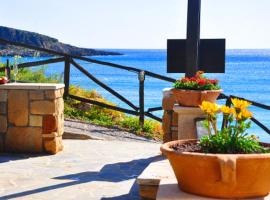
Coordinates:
[194,98]
[220,175]
[3,81]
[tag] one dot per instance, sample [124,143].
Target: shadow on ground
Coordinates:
[114,173]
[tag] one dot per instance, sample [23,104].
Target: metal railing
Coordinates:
[142,75]
[71,60]
[256,104]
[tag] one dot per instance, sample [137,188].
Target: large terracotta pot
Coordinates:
[220,175]
[194,98]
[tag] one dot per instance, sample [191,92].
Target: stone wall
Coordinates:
[170,118]
[178,122]
[31,119]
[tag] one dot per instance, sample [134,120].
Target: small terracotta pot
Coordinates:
[220,175]
[194,98]
[3,81]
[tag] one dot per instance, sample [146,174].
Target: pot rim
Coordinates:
[166,150]
[184,90]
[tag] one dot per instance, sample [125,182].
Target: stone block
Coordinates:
[2,144]
[186,124]
[50,135]
[3,124]
[49,124]
[60,124]
[175,119]
[148,181]
[166,126]
[54,145]
[60,105]
[3,95]
[169,124]
[168,102]
[175,135]
[148,192]
[43,107]
[18,107]
[53,94]
[166,122]
[24,139]
[35,120]
[62,91]
[3,107]
[36,95]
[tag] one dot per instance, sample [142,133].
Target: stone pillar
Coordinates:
[170,118]
[186,121]
[3,117]
[31,117]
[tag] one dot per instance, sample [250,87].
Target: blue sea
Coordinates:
[247,75]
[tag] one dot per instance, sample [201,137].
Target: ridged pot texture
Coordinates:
[194,98]
[220,175]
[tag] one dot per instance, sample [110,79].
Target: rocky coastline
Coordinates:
[42,41]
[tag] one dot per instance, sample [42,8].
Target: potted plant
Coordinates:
[226,163]
[193,91]
[3,80]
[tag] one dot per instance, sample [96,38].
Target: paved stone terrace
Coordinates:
[86,169]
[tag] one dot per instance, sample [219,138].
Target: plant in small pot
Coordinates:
[226,163]
[193,91]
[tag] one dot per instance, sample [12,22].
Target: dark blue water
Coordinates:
[247,75]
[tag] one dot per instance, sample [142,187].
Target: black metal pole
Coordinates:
[141,78]
[224,121]
[193,37]
[66,76]
[8,70]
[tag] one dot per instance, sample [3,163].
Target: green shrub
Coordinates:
[107,117]
[198,82]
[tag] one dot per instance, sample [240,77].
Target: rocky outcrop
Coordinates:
[43,41]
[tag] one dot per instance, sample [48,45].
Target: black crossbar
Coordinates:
[103,105]
[158,76]
[113,92]
[153,116]
[36,63]
[52,52]
[260,125]
[154,109]
[40,62]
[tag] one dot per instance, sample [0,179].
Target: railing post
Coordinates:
[141,77]
[7,71]
[66,76]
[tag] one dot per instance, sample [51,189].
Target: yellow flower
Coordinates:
[227,110]
[240,104]
[254,137]
[246,114]
[243,114]
[209,108]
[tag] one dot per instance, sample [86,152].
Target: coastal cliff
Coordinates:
[43,41]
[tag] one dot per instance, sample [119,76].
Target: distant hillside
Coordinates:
[43,41]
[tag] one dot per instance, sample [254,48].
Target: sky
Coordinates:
[139,24]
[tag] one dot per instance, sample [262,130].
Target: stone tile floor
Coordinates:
[86,169]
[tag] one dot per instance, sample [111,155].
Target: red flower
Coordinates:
[199,74]
[202,82]
[193,79]
[185,79]
[214,81]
